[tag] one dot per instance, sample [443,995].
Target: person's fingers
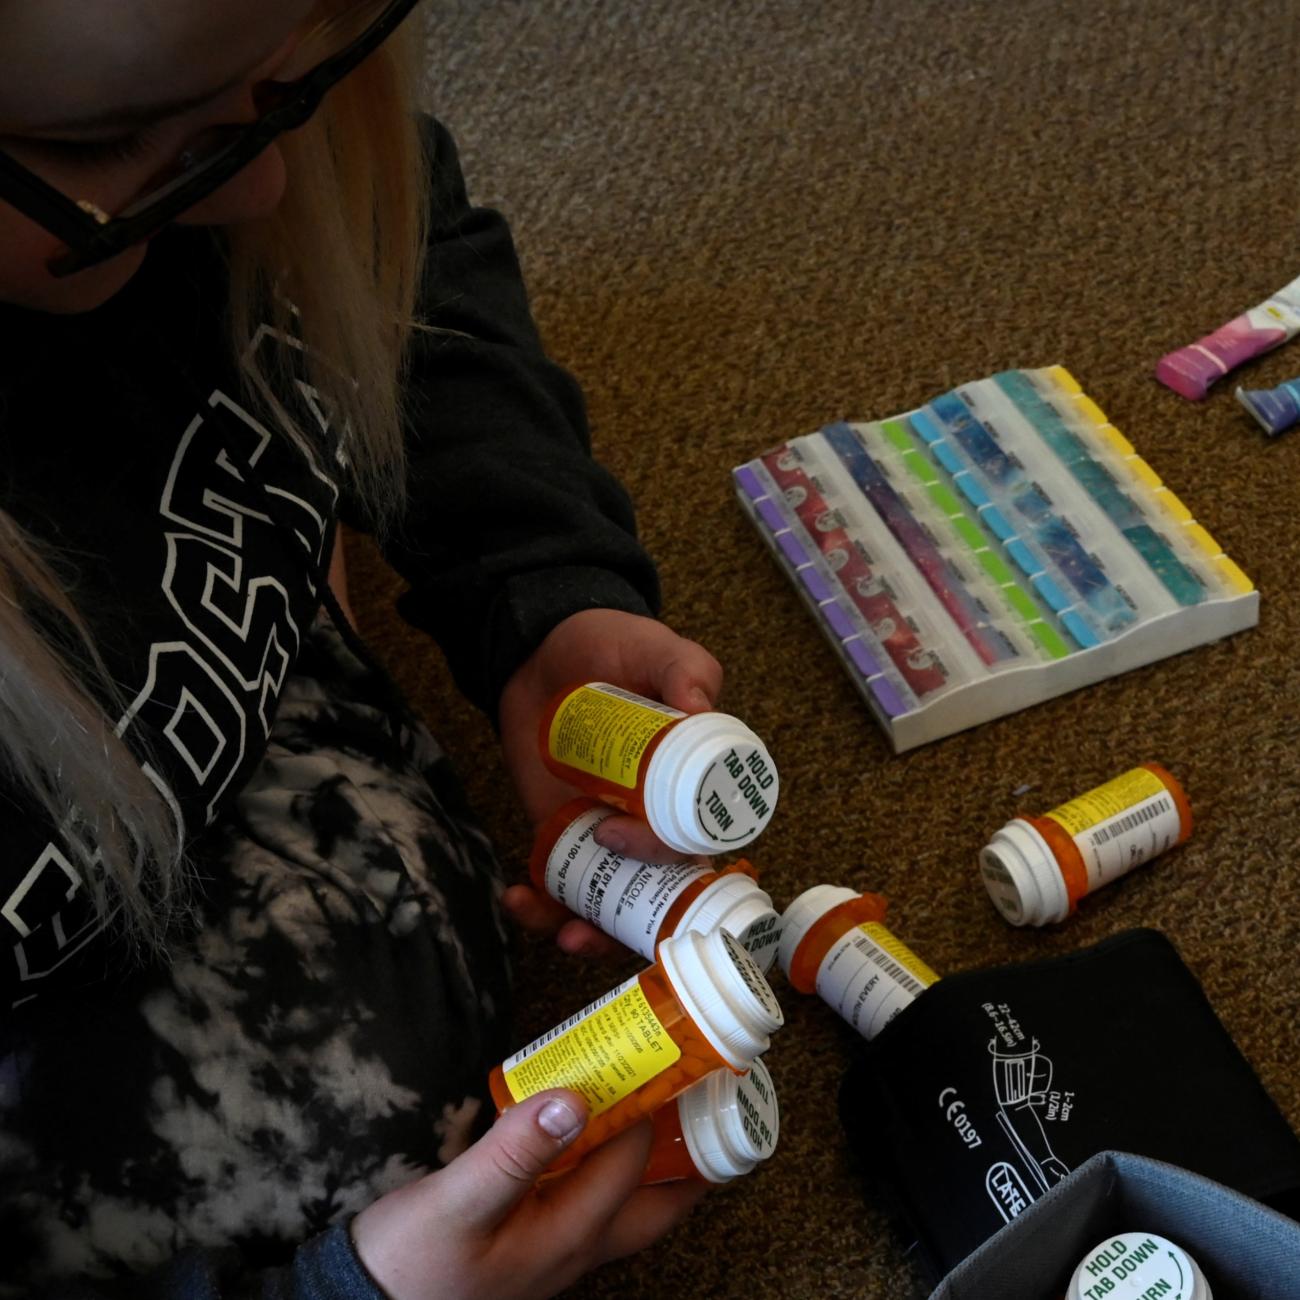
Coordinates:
[591,1195]
[648,1214]
[691,680]
[542,915]
[581,939]
[488,1180]
[533,910]
[634,839]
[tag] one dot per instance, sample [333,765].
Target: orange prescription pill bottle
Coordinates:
[641,903]
[719,1128]
[1037,868]
[702,1006]
[832,942]
[703,781]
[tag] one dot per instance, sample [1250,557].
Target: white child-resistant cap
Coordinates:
[803,913]
[1022,877]
[737,904]
[710,786]
[724,993]
[730,1122]
[1131,1265]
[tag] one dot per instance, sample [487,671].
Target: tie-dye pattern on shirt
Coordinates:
[321,1036]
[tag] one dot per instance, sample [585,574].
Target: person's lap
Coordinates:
[321,1036]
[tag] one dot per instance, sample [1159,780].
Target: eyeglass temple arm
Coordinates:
[39,200]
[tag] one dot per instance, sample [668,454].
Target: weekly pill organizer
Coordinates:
[999,546]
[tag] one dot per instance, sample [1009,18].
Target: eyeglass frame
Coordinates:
[92,236]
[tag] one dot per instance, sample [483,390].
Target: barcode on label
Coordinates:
[899,974]
[551,1034]
[1156,808]
[632,698]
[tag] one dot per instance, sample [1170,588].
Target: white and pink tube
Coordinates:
[1191,370]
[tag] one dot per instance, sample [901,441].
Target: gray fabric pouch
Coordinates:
[1245,1250]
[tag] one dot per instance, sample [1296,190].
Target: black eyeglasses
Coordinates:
[329,48]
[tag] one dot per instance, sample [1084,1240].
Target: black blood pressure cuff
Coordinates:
[985,1092]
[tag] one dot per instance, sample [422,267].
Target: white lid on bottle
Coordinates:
[737,904]
[710,786]
[803,913]
[730,1122]
[1021,874]
[1136,1264]
[722,990]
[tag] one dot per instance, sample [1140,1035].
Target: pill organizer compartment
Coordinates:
[997,547]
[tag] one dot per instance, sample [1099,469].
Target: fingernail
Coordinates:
[699,699]
[559,1119]
[612,841]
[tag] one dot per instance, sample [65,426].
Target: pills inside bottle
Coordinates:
[1036,869]
[641,903]
[703,1006]
[704,782]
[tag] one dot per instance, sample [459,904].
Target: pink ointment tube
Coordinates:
[1191,370]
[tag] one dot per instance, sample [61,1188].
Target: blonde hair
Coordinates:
[338,264]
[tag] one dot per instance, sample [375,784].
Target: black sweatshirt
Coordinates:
[194,541]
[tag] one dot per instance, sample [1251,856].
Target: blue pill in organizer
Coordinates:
[1078,629]
[946,457]
[926,427]
[997,521]
[888,698]
[838,619]
[863,659]
[791,549]
[1023,556]
[816,584]
[971,489]
[770,515]
[750,483]
[1051,593]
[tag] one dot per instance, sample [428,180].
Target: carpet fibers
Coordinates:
[741,221]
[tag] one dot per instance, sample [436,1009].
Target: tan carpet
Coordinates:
[742,220]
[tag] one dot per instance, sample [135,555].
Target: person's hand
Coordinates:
[477,1230]
[597,645]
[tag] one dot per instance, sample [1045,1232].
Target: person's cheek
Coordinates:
[250,194]
[25,252]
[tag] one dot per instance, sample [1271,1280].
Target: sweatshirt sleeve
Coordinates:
[511,526]
[326,1268]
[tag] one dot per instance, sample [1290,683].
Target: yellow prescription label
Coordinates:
[868,977]
[899,951]
[1107,801]
[604,730]
[605,1052]
[1120,825]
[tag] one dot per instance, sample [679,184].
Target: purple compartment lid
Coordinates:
[816,584]
[750,484]
[887,697]
[770,515]
[791,549]
[863,659]
[838,619]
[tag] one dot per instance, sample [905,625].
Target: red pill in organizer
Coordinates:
[786,468]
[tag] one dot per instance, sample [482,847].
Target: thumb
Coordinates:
[690,678]
[489,1179]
